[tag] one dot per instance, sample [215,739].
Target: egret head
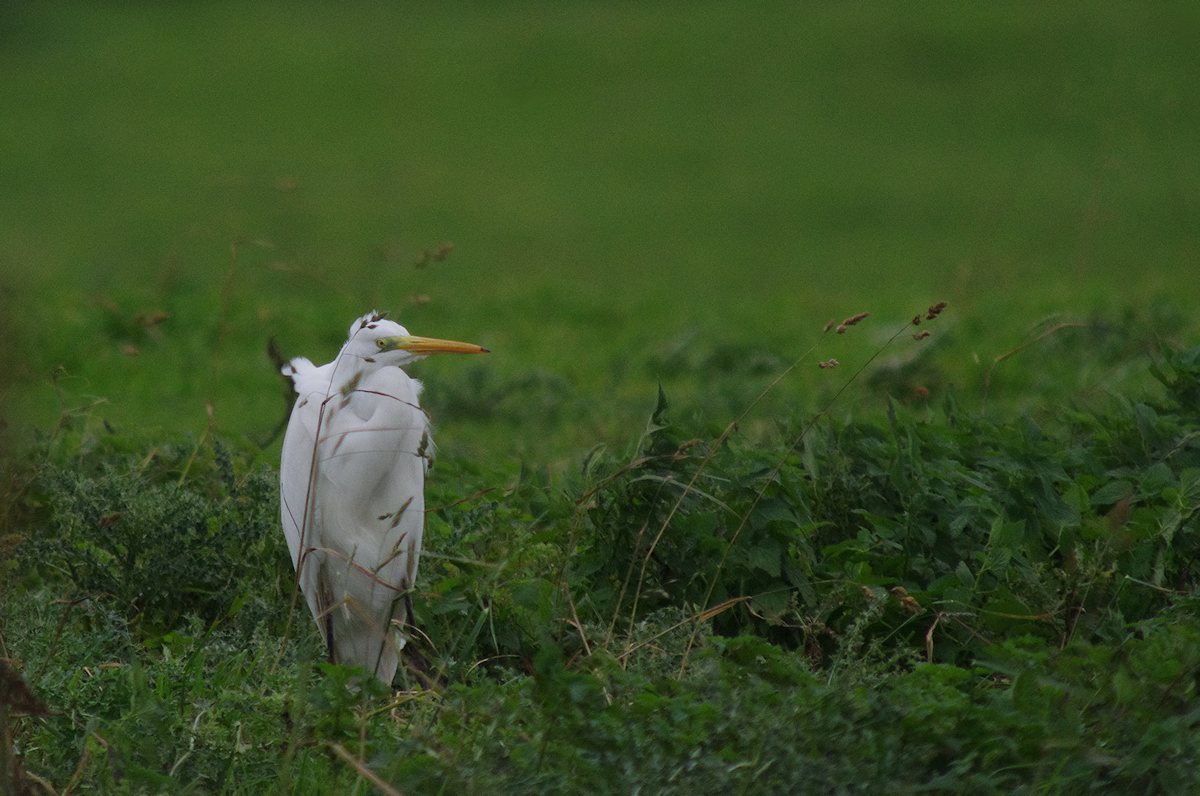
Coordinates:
[375,338]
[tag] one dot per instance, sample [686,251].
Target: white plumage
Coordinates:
[352,480]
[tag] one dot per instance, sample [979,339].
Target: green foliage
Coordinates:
[934,601]
[160,548]
[992,528]
[1179,372]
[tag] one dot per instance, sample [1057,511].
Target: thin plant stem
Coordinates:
[199,443]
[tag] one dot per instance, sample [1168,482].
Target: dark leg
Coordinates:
[416,661]
[329,636]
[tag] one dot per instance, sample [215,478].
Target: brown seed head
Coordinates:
[921,335]
[829,325]
[907,602]
[150,319]
[841,328]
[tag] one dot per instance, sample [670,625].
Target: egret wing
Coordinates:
[363,509]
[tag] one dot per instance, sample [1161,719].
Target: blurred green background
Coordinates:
[635,192]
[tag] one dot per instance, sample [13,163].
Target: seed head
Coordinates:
[935,310]
[150,319]
[827,364]
[921,335]
[907,602]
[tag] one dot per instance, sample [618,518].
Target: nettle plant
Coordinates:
[134,530]
[1020,592]
[936,532]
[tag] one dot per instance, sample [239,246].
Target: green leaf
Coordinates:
[1026,693]
[1112,492]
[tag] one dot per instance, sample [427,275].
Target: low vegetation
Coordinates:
[929,599]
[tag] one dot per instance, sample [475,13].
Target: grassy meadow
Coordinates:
[964,563]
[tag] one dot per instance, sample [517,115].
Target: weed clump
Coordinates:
[157,549]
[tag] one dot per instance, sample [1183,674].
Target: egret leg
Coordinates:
[415,661]
[329,636]
[325,603]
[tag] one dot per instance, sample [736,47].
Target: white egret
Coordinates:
[352,480]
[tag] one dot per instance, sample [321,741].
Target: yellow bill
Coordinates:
[424,346]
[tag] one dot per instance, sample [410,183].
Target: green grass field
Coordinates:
[637,194]
[619,183]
